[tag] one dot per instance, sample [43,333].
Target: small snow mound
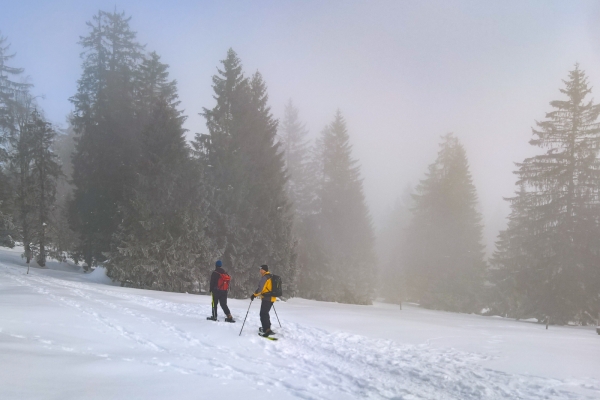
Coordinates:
[98,275]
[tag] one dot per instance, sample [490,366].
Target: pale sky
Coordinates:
[403,73]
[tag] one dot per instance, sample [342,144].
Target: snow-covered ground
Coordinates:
[69,335]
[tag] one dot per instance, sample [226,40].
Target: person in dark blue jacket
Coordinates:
[219,295]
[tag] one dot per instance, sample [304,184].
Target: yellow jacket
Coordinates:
[264,287]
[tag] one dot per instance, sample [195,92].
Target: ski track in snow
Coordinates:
[307,363]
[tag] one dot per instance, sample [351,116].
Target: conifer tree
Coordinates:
[45,170]
[12,94]
[105,122]
[161,243]
[443,254]
[21,171]
[302,190]
[547,261]
[348,274]
[251,217]
[294,144]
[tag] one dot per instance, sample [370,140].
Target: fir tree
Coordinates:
[45,170]
[12,94]
[443,253]
[302,189]
[161,243]
[21,171]
[251,217]
[105,121]
[153,88]
[547,260]
[292,136]
[346,232]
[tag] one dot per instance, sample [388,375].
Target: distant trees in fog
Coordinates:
[547,262]
[442,255]
[336,258]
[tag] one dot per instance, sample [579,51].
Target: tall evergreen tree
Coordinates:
[443,254]
[105,121]
[251,217]
[45,170]
[21,171]
[301,190]
[346,233]
[547,261]
[12,95]
[294,144]
[161,243]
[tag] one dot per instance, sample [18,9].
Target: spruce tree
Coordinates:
[302,189]
[251,217]
[547,261]
[161,243]
[45,170]
[105,122]
[443,253]
[12,95]
[294,144]
[348,273]
[21,171]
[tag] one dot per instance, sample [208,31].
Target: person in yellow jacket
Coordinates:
[263,291]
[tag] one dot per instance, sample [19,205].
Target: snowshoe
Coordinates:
[229,320]
[266,336]
[211,318]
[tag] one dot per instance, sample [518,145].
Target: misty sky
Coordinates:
[403,73]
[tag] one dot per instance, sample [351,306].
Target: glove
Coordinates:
[252,296]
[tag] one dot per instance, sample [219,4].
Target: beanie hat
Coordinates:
[218,263]
[265,267]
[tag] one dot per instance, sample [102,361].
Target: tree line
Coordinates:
[121,186]
[546,264]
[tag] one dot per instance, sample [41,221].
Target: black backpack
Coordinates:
[276,286]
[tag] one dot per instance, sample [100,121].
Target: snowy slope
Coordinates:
[69,335]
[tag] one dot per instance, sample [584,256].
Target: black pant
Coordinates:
[219,296]
[265,319]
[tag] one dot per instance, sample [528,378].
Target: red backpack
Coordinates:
[223,283]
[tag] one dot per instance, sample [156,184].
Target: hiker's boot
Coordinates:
[268,332]
[229,319]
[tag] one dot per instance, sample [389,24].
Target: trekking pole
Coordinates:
[251,300]
[276,315]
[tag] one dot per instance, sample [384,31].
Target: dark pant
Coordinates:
[265,320]
[219,296]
